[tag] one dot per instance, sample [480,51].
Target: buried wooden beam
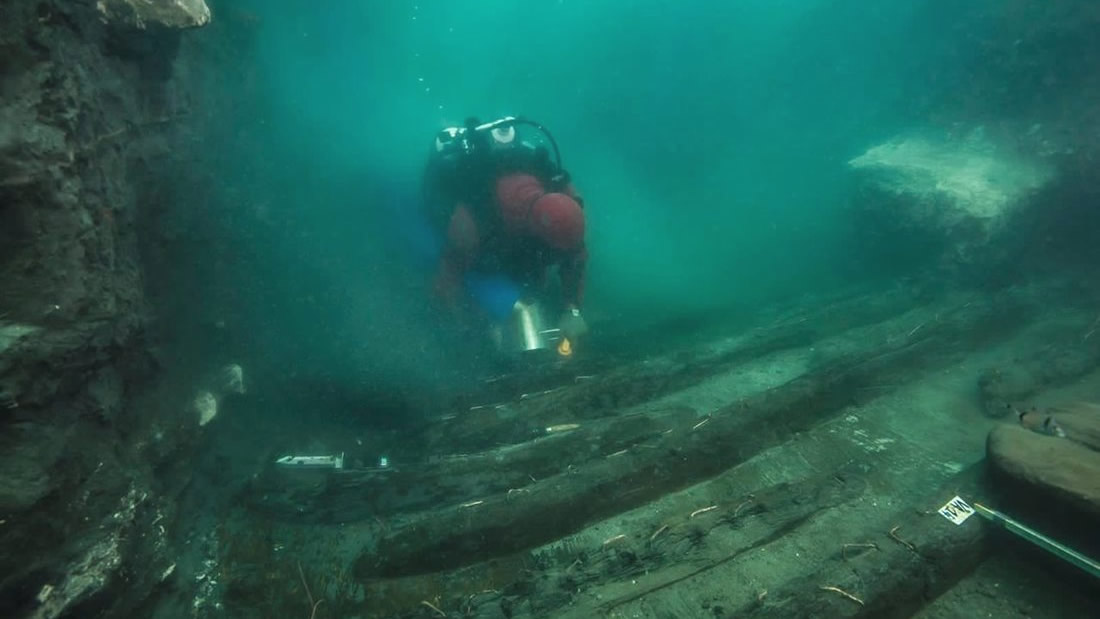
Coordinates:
[919,557]
[684,548]
[533,453]
[656,550]
[498,525]
[639,383]
[1008,385]
[354,495]
[499,418]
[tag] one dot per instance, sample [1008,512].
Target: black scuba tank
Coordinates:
[464,161]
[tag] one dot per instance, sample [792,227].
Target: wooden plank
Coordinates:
[500,525]
[920,557]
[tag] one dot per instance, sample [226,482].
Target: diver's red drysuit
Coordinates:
[519,229]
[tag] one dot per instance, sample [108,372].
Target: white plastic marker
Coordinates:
[957,510]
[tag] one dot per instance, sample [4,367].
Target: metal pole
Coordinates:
[1063,552]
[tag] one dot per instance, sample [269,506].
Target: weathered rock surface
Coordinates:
[949,199]
[67,240]
[1058,469]
[952,181]
[80,124]
[143,14]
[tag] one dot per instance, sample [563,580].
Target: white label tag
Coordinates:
[957,510]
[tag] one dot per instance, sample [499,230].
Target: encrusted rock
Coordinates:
[141,14]
[950,198]
[966,179]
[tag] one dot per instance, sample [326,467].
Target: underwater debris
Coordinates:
[703,511]
[171,569]
[312,603]
[1092,329]
[205,405]
[528,396]
[433,607]
[894,536]
[612,540]
[659,531]
[748,500]
[232,379]
[845,547]
[842,592]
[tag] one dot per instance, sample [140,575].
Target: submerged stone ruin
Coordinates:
[954,203]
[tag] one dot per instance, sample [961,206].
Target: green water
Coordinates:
[710,140]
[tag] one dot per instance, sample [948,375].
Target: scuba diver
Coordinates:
[508,215]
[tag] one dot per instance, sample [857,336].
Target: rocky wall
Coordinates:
[88,107]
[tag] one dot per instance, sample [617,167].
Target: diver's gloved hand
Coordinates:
[572,324]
